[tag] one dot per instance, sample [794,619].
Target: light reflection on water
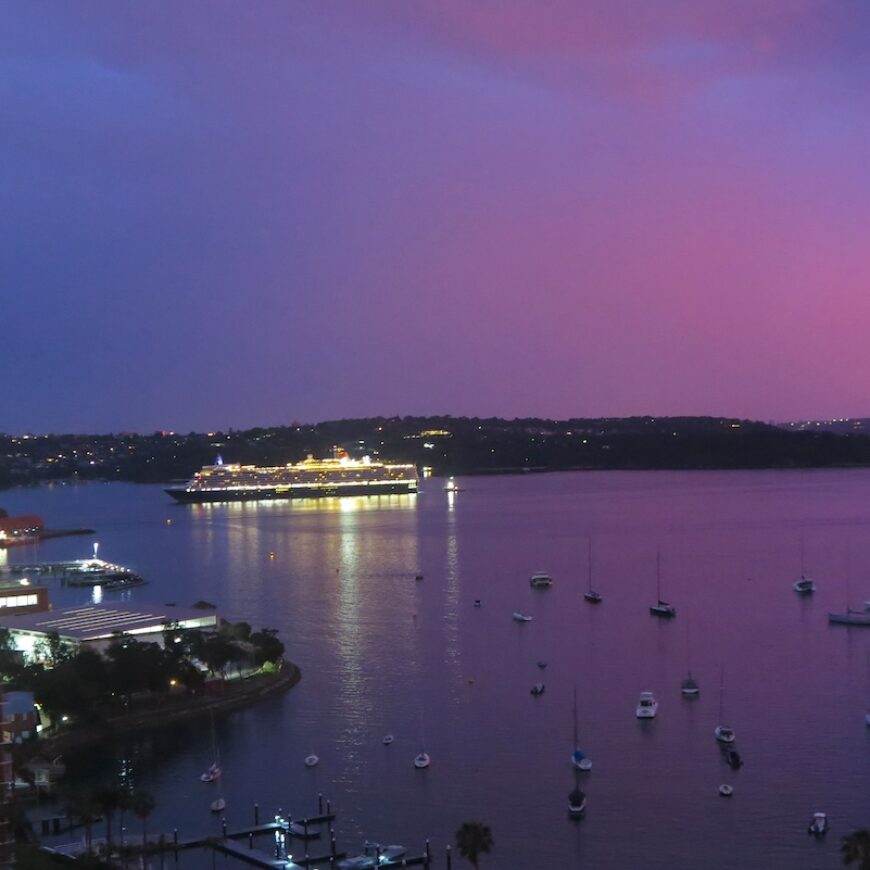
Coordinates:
[381,651]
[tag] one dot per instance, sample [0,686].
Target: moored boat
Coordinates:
[311,478]
[818,824]
[647,706]
[540,580]
[521,617]
[851,617]
[576,803]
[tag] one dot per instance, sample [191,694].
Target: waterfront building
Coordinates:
[19,530]
[95,625]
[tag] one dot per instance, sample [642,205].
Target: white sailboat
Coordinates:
[661,608]
[213,771]
[724,733]
[804,585]
[590,594]
[579,760]
[422,759]
[689,687]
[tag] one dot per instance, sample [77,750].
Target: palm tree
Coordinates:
[473,839]
[142,805]
[856,849]
[106,798]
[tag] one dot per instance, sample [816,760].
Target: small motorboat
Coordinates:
[521,617]
[732,756]
[726,790]
[647,706]
[538,689]
[540,580]
[576,803]
[663,609]
[218,806]
[418,576]
[804,586]
[358,862]
[477,602]
[580,762]
[385,853]
[689,687]
[593,597]
[422,761]
[388,739]
[818,824]
[311,760]
[210,775]
[867,719]
[724,734]
[541,664]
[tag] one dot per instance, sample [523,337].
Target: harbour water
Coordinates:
[383,652]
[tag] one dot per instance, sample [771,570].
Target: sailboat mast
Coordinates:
[589,574]
[659,573]
[575,718]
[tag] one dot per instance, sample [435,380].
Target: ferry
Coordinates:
[312,478]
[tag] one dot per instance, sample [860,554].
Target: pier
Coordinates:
[289,848]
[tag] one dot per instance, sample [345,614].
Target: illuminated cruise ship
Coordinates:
[311,478]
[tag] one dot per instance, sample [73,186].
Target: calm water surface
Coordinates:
[381,652]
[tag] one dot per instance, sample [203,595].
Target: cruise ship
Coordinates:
[311,478]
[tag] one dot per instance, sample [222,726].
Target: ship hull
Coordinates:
[186,496]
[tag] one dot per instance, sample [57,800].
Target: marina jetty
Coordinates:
[282,843]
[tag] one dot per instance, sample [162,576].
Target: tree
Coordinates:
[855,849]
[267,647]
[107,799]
[142,805]
[474,839]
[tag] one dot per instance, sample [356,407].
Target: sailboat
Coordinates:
[579,761]
[724,734]
[213,771]
[662,608]
[803,586]
[421,759]
[590,594]
[689,687]
[576,801]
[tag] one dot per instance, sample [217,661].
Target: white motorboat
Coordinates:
[358,862]
[384,853]
[647,706]
[521,617]
[388,739]
[540,580]
[218,806]
[311,760]
[818,824]
[576,803]
[422,760]
[538,689]
[726,790]
[724,734]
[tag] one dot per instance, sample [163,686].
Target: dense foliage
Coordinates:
[85,685]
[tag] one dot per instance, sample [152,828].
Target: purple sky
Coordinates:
[222,214]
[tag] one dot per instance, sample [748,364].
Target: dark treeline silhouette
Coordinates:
[449,445]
